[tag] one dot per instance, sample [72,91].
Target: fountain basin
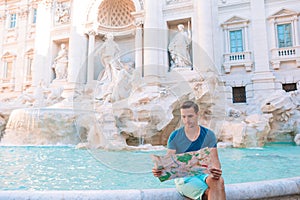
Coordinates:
[281,189]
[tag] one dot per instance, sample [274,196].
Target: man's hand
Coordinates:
[216,173]
[156,172]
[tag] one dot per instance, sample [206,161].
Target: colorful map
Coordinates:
[184,164]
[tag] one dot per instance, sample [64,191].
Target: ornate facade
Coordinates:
[250,49]
[252,46]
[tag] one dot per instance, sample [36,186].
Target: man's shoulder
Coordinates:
[177,132]
[207,130]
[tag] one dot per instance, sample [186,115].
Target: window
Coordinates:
[289,87]
[34,16]
[13,20]
[239,95]
[8,70]
[236,41]
[284,35]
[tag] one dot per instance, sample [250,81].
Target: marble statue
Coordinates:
[60,65]
[179,48]
[123,84]
[109,53]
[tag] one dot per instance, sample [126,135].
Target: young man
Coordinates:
[192,137]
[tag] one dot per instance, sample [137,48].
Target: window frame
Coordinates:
[242,40]
[34,16]
[284,35]
[13,20]
[8,70]
[236,95]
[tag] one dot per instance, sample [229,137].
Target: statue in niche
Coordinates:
[179,48]
[109,53]
[60,65]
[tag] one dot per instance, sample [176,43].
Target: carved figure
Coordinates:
[108,78]
[123,84]
[109,53]
[61,63]
[179,48]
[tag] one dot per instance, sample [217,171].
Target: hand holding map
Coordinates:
[184,164]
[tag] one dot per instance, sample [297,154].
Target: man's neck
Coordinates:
[192,133]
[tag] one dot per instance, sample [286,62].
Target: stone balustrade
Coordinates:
[279,55]
[237,59]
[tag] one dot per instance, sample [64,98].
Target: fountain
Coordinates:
[142,121]
[124,111]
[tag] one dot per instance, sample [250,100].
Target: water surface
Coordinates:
[68,168]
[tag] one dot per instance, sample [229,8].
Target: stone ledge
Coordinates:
[283,189]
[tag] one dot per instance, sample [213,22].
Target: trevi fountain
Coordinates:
[115,82]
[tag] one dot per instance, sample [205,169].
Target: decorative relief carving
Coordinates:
[62,12]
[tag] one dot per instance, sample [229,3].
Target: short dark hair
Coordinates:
[190,104]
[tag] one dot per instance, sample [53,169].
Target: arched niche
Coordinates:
[114,16]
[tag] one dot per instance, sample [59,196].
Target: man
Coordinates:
[192,137]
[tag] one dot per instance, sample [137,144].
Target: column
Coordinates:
[263,78]
[260,36]
[41,70]
[246,37]
[273,34]
[139,46]
[296,35]
[20,64]
[227,43]
[91,70]
[153,42]
[77,70]
[204,31]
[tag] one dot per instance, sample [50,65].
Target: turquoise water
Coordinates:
[67,168]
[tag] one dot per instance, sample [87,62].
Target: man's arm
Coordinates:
[171,151]
[157,172]
[215,170]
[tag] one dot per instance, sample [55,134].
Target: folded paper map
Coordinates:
[184,164]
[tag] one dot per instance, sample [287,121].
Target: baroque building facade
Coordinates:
[252,45]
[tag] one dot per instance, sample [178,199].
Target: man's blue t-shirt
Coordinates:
[178,140]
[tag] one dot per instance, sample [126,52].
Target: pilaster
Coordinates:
[204,38]
[78,45]
[41,67]
[139,22]
[154,46]
[263,79]
[91,49]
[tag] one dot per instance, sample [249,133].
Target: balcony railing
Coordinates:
[237,59]
[279,55]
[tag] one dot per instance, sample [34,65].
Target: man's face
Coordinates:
[189,117]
